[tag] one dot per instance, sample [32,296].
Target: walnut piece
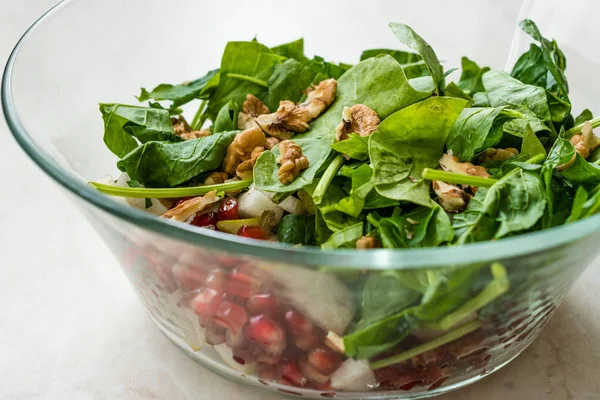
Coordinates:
[358,119]
[189,208]
[182,129]
[452,198]
[584,144]
[292,162]
[216,178]
[242,147]
[252,108]
[491,155]
[452,164]
[319,98]
[367,242]
[272,142]
[245,169]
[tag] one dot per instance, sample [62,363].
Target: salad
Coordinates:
[380,154]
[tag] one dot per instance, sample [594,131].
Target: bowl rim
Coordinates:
[519,245]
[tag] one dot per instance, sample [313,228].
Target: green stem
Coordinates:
[451,177]
[170,193]
[594,191]
[248,79]
[326,179]
[577,129]
[373,221]
[425,347]
[197,122]
[496,288]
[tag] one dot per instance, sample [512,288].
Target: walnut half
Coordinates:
[452,198]
[491,155]
[584,144]
[243,149]
[367,242]
[182,129]
[292,162]
[252,108]
[358,119]
[450,163]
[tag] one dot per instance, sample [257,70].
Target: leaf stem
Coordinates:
[373,221]
[169,193]
[451,177]
[326,179]
[198,121]
[247,78]
[451,336]
[577,129]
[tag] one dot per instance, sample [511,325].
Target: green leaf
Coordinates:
[583,173]
[379,83]
[293,50]
[183,93]
[476,130]
[362,185]
[411,39]
[453,90]
[247,59]
[332,70]
[297,229]
[355,146]
[581,197]
[409,141]
[562,152]
[521,117]
[586,115]
[165,164]
[503,90]
[124,124]
[531,146]
[135,184]
[412,63]
[471,78]
[347,237]
[531,67]
[227,118]
[423,227]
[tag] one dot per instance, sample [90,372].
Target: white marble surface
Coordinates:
[71,327]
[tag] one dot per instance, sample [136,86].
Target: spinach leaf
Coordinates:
[422,227]
[345,237]
[581,197]
[531,68]
[475,130]
[562,152]
[409,141]
[583,173]
[362,185]
[379,83]
[471,78]
[297,229]
[293,50]
[226,118]
[521,117]
[332,70]
[124,124]
[183,93]
[166,164]
[586,115]
[559,109]
[453,90]
[412,63]
[531,146]
[481,99]
[355,146]
[242,59]
[503,90]
[411,39]
[135,184]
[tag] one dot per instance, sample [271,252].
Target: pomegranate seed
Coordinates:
[216,279]
[263,303]
[268,372]
[269,359]
[246,273]
[324,360]
[311,373]
[231,316]
[306,342]
[189,278]
[323,387]
[298,324]
[242,289]
[228,209]
[215,334]
[267,332]
[207,302]
[205,220]
[253,232]
[291,375]
[235,339]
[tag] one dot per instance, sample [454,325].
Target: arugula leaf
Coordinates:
[183,93]
[297,229]
[165,164]
[345,237]
[355,146]
[124,124]
[422,227]
[226,118]
[293,50]
[244,59]
[409,141]
[411,39]
[475,130]
[379,83]
[471,78]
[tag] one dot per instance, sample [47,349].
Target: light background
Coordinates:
[71,327]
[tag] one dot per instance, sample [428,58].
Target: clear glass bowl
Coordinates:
[84,52]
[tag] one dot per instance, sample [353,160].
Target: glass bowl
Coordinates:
[85,52]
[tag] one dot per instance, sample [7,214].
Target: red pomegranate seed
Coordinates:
[228,209]
[268,359]
[207,302]
[216,279]
[189,278]
[292,375]
[215,334]
[239,288]
[306,342]
[245,353]
[246,273]
[205,220]
[253,232]
[268,372]
[231,316]
[264,303]
[267,332]
[298,324]
[235,339]
[311,373]
[324,360]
